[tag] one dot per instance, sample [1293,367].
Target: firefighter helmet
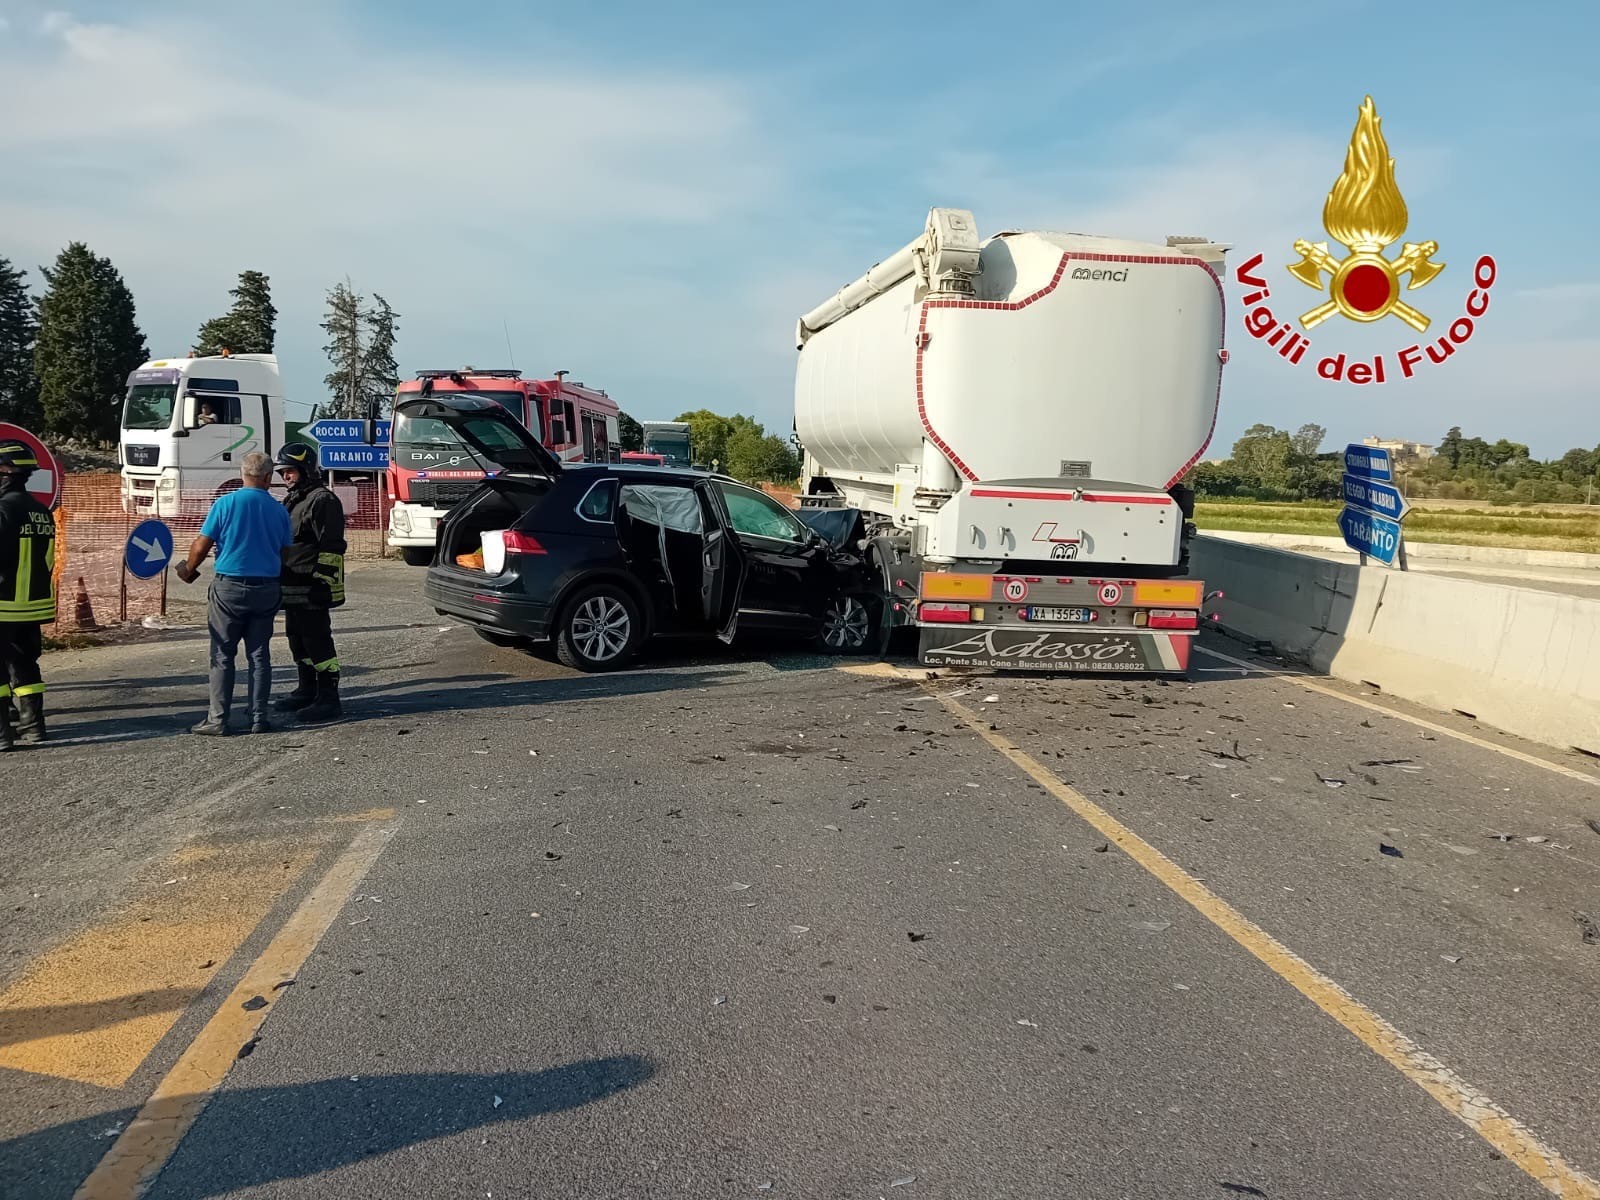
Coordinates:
[299,456]
[16,456]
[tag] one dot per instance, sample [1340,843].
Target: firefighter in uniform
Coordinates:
[313,584]
[27,594]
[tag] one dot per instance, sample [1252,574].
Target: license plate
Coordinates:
[1066,616]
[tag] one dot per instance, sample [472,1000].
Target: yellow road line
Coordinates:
[1420,722]
[150,1138]
[1473,1108]
[93,1008]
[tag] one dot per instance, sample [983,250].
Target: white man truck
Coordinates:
[1012,418]
[187,424]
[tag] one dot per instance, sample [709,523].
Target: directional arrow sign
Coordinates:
[149,549]
[1368,462]
[1376,537]
[1381,499]
[348,433]
[350,456]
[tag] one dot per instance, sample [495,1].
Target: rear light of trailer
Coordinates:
[945,614]
[522,543]
[1172,618]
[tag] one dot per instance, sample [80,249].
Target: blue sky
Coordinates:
[649,195]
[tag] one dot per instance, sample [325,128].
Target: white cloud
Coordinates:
[600,211]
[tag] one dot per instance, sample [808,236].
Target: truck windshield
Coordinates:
[673,447]
[149,406]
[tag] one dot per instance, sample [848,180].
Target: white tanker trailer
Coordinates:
[1012,417]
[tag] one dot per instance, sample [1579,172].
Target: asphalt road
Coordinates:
[730,926]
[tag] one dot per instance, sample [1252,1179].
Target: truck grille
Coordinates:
[441,495]
[143,456]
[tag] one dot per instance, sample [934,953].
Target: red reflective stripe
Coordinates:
[1093,497]
[1101,498]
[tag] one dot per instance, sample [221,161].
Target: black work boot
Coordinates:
[7,735]
[304,693]
[30,723]
[326,706]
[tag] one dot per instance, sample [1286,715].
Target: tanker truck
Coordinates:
[1011,419]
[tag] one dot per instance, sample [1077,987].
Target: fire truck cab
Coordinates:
[431,470]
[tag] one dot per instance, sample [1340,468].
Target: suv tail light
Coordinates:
[522,543]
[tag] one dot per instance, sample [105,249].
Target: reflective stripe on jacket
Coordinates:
[27,560]
[313,565]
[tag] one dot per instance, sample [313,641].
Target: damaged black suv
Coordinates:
[599,558]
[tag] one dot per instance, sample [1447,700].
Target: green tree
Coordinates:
[756,456]
[1308,440]
[708,436]
[630,432]
[89,341]
[345,352]
[1263,456]
[19,330]
[1450,447]
[249,327]
[379,373]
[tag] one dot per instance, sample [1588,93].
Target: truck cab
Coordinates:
[187,424]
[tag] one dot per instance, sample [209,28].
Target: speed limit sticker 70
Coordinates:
[1110,593]
[1016,589]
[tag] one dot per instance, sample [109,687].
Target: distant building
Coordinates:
[1400,450]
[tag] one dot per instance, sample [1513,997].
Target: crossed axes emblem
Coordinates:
[1415,258]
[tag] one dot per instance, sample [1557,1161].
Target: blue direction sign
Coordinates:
[1380,499]
[352,457]
[149,549]
[1368,462]
[1376,537]
[330,430]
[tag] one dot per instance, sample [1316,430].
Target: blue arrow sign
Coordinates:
[1376,537]
[1378,498]
[352,456]
[149,549]
[1368,462]
[329,430]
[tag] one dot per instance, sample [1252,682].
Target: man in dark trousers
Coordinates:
[313,584]
[249,530]
[27,594]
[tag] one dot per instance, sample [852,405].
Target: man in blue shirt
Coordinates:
[249,530]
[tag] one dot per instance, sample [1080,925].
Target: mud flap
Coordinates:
[1064,650]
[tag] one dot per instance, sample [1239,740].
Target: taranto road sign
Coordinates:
[1376,537]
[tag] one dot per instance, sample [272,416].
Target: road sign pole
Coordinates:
[123,612]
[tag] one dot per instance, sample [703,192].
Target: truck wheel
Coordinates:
[600,629]
[849,623]
[416,556]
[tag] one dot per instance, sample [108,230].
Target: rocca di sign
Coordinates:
[1365,212]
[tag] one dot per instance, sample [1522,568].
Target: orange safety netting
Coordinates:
[93,588]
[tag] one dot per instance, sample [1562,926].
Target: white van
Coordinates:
[187,423]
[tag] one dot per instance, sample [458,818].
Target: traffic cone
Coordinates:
[82,610]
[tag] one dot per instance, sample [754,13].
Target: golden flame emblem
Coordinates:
[1366,212]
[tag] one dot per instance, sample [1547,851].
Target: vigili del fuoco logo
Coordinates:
[1366,212]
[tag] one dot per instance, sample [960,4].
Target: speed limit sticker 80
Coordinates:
[1110,593]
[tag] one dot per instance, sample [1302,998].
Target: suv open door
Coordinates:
[722,565]
[487,431]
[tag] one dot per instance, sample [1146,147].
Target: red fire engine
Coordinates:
[577,423]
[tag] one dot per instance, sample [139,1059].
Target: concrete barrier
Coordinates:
[1523,661]
[1425,551]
